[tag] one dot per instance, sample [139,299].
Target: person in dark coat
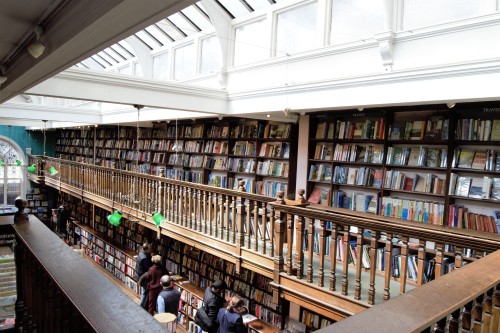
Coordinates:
[153,278]
[230,319]
[143,263]
[168,299]
[213,301]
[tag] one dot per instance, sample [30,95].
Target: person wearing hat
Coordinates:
[214,301]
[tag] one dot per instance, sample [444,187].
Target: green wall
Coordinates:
[30,139]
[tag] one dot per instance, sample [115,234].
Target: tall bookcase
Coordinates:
[202,268]
[438,165]
[212,151]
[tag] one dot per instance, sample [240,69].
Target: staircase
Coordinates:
[8,293]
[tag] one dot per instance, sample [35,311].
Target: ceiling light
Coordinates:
[450,105]
[36,48]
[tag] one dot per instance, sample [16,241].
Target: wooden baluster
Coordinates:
[299,246]
[310,251]
[421,262]
[177,204]
[222,216]
[216,214]
[210,212]
[404,264]
[240,213]
[458,257]
[289,240]
[167,204]
[487,306]
[272,219]
[204,213]
[438,268]
[256,225]
[322,247]
[248,222]
[227,212]
[454,321]
[234,202]
[373,266]
[198,209]
[333,256]
[466,318]
[263,225]
[388,268]
[495,318]
[192,208]
[440,326]
[477,314]
[345,260]
[359,263]
[279,228]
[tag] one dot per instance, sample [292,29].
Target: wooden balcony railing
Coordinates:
[467,300]
[305,244]
[57,291]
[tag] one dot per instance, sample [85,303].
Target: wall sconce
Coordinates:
[158,218]
[115,218]
[36,48]
[53,171]
[32,168]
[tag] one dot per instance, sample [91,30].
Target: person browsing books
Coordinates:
[168,299]
[230,319]
[143,263]
[213,301]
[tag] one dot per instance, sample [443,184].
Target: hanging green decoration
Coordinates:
[115,218]
[32,168]
[158,218]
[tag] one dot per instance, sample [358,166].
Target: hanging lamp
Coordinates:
[115,218]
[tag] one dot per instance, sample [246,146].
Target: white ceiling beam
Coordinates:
[125,89]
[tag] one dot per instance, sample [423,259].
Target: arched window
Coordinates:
[11,171]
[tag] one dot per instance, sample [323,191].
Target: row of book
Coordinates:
[460,217]
[434,128]
[470,129]
[357,153]
[426,183]
[487,160]
[413,210]
[276,149]
[475,187]
[417,156]
[363,176]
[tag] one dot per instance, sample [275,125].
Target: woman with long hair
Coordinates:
[229,318]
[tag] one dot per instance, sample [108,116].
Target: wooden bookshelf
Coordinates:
[405,163]
[210,151]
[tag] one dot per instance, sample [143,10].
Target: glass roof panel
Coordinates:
[194,13]
[183,24]
[170,30]
[96,63]
[147,39]
[128,48]
[235,7]
[106,57]
[258,4]
[158,34]
[113,53]
[122,51]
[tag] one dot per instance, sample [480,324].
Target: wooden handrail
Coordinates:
[308,245]
[421,308]
[59,292]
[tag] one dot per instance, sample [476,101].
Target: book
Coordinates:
[465,159]
[433,158]
[462,186]
[434,128]
[495,130]
[417,130]
[479,161]
[413,159]
[397,131]
[495,189]
[476,188]
[315,196]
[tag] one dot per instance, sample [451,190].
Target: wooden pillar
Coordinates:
[240,212]
[299,249]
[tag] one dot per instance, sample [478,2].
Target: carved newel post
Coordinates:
[20,215]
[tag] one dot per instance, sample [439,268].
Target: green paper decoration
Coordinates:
[158,218]
[115,218]
[32,168]
[2,163]
[53,171]
[18,162]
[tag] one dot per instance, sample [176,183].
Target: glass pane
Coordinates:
[234,7]
[158,34]
[184,62]
[160,66]
[417,13]
[122,51]
[138,69]
[250,44]
[182,24]
[123,44]
[97,62]
[346,18]
[258,4]
[110,60]
[13,190]
[116,55]
[198,18]
[2,189]
[14,171]
[169,30]
[146,39]
[297,30]
[211,56]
